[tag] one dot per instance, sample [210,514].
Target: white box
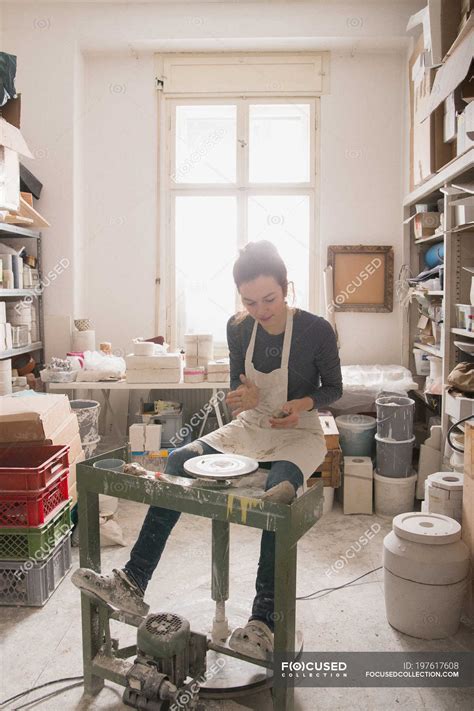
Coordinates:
[3,341]
[358,485]
[164,361]
[152,438]
[167,375]
[458,407]
[3,312]
[136,435]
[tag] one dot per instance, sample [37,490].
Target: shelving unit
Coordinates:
[18,235]
[458,252]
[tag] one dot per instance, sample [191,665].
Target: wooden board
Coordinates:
[29,211]
[331,433]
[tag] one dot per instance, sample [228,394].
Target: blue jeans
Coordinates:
[159,522]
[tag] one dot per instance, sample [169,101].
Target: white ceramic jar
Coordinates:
[425,574]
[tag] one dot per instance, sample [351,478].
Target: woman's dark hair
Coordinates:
[260,259]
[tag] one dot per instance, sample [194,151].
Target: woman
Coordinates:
[284,364]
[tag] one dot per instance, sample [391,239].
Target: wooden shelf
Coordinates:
[428,349]
[19,351]
[458,165]
[462,332]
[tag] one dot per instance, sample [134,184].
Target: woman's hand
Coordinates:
[245,397]
[293,408]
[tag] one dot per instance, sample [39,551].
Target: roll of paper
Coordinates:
[83,341]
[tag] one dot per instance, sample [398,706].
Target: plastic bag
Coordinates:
[95,360]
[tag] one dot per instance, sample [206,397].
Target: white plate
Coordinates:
[220,466]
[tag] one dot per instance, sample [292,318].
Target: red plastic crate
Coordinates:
[31,468]
[34,508]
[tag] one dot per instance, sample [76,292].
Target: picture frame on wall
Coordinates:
[362,277]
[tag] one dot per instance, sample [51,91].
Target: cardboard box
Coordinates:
[444,19]
[452,73]
[32,418]
[12,144]
[463,210]
[453,106]
[152,438]
[463,142]
[458,407]
[428,151]
[425,224]
[438,24]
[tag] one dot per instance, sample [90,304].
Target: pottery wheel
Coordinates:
[220,466]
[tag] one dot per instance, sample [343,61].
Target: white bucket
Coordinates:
[87,412]
[356,435]
[422,364]
[394,496]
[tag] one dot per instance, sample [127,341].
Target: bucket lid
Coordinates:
[452,481]
[427,528]
[388,440]
[356,422]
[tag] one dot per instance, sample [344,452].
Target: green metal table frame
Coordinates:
[223,507]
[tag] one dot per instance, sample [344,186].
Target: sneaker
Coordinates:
[254,640]
[115,588]
[282,493]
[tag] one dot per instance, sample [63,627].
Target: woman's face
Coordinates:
[264,299]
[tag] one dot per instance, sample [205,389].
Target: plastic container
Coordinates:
[393,458]
[356,435]
[434,256]
[87,412]
[31,468]
[395,417]
[426,573]
[37,543]
[394,496]
[31,584]
[33,508]
[422,364]
[58,376]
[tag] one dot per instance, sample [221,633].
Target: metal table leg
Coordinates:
[285,609]
[220,578]
[89,541]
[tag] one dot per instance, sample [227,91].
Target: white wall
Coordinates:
[89,114]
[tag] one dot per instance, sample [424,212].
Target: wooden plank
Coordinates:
[331,433]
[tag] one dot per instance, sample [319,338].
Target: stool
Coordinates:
[238,504]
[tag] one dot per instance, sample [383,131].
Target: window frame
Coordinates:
[241,189]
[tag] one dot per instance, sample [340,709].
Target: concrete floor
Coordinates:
[39,645]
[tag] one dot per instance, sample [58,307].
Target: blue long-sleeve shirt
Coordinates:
[314,368]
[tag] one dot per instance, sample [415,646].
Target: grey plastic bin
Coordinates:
[30,584]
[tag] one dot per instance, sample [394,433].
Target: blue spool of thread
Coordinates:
[434,256]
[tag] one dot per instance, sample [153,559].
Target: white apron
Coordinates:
[250,432]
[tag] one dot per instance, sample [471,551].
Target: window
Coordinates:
[237,170]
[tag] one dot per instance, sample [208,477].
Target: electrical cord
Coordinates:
[312,596]
[326,591]
[51,695]
[41,686]
[453,427]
